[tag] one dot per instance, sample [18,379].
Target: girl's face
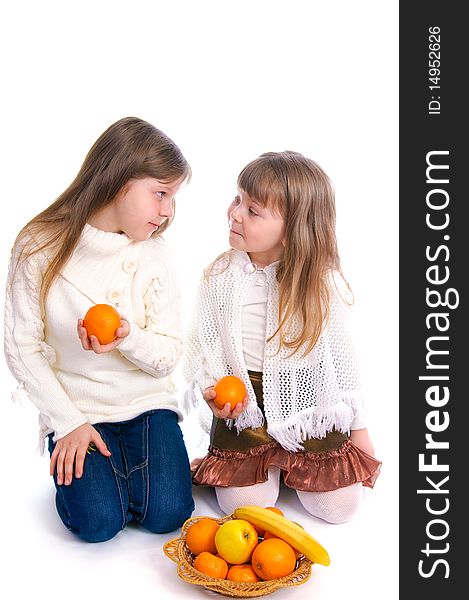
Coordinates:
[256,230]
[139,209]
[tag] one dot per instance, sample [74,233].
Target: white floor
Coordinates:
[41,559]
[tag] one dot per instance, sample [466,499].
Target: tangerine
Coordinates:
[229,389]
[102,320]
[243,572]
[211,565]
[268,535]
[273,558]
[200,536]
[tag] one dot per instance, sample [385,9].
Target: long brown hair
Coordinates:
[129,149]
[300,191]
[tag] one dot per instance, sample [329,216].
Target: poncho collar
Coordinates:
[243,260]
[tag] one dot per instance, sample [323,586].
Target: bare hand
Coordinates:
[91,343]
[361,439]
[70,451]
[223,413]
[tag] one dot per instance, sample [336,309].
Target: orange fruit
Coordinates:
[102,321]
[229,389]
[200,536]
[268,536]
[243,572]
[211,565]
[273,558]
[260,531]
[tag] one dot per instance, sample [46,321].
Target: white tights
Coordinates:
[336,506]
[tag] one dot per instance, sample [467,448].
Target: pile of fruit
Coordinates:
[256,544]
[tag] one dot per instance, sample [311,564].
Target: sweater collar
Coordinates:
[99,265]
[97,242]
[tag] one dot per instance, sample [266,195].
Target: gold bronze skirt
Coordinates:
[243,459]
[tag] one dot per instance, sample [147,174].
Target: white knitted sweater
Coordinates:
[71,386]
[304,396]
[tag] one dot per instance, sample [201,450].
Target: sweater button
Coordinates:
[114,296]
[249,268]
[129,266]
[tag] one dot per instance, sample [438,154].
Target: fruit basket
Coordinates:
[178,551]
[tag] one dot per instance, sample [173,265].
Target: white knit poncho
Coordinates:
[304,396]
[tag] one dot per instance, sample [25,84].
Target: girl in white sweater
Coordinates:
[274,311]
[109,412]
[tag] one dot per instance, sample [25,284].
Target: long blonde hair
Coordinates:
[300,191]
[129,149]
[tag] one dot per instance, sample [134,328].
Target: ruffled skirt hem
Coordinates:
[303,471]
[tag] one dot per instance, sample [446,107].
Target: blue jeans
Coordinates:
[146,478]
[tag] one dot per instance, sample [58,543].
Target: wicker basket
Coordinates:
[177,551]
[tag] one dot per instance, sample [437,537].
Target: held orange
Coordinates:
[229,389]
[102,321]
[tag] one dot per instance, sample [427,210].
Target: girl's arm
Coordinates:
[194,363]
[156,347]
[28,356]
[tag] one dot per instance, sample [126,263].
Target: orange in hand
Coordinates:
[200,536]
[102,320]
[229,389]
[211,565]
[273,558]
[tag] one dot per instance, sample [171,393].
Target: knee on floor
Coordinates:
[337,506]
[166,519]
[98,527]
[336,516]
[230,498]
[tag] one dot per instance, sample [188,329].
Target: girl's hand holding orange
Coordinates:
[227,398]
[102,329]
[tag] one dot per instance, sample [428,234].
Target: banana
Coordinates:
[285,529]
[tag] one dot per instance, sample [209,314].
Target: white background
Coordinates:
[226,81]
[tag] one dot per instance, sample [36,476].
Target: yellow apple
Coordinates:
[235,541]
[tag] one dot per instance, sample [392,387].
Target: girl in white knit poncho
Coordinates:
[108,412]
[274,311]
